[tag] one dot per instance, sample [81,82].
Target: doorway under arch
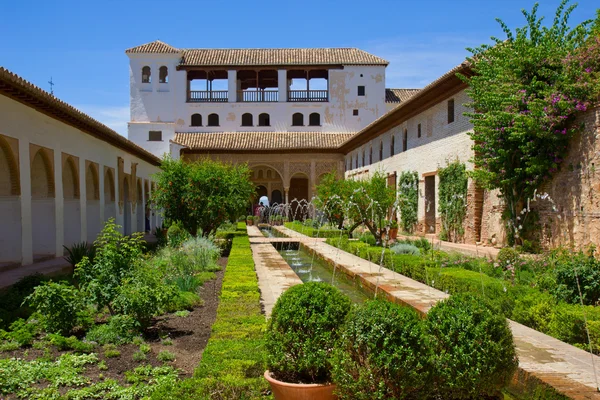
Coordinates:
[92,199]
[43,214]
[126,208]
[71,204]
[298,192]
[10,204]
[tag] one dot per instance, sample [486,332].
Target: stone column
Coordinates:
[26,224]
[232,86]
[287,194]
[59,203]
[82,200]
[282,85]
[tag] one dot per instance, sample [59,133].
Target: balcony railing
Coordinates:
[308,95]
[263,96]
[208,96]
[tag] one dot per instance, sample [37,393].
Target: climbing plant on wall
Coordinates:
[452,198]
[408,198]
[526,91]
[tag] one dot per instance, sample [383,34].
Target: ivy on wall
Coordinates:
[408,198]
[452,197]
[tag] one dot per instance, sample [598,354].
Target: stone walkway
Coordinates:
[565,368]
[52,267]
[275,276]
[467,249]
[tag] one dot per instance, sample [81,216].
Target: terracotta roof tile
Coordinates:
[241,57]
[399,95]
[261,141]
[153,47]
[18,89]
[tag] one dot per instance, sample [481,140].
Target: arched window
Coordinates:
[109,187]
[363,157]
[264,120]
[356,162]
[370,155]
[70,180]
[381,150]
[405,140]
[247,119]
[297,119]
[314,119]
[146,75]
[163,74]
[196,120]
[392,145]
[92,187]
[213,120]
[42,176]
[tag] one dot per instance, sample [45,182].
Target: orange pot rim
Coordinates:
[270,379]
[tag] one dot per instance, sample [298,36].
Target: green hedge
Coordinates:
[526,305]
[232,364]
[313,232]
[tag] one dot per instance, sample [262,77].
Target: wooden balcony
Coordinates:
[208,96]
[258,96]
[308,95]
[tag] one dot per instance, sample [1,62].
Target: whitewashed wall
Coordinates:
[439,143]
[42,226]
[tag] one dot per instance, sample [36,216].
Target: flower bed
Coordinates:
[323,232]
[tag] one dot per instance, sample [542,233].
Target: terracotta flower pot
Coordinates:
[298,391]
[249,222]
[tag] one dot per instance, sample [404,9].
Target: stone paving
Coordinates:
[51,267]
[565,368]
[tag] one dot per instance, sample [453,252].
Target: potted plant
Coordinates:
[256,220]
[393,229]
[249,220]
[301,335]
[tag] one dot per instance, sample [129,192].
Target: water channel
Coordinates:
[313,269]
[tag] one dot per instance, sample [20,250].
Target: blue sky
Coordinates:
[81,44]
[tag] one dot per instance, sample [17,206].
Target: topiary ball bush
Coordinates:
[303,330]
[474,352]
[384,353]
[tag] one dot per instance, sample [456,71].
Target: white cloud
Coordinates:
[115,117]
[417,61]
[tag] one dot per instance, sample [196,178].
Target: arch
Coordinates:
[298,119]
[261,190]
[260,174]
[276,197]
[370,154]
[126,207]
[70,179]
[196,120]
[314,119]
[109,186]
[213,119]
[163,74]
[9,171]
[146,74]
[405,140]
[92,184]
[139,209]
[392,145]
[256,167]
[42,175]
[264,119]
[247,119]
[381,150]
[269,174]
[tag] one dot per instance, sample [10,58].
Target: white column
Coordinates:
[83,199]
[282,84]
[232,86]
[59,203]
[101,189]
[26,226]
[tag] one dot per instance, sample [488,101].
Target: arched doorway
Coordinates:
[109,194]
[92,198]
[139,210]
[126,208]
[298,196]
[276,197]
[10,205]
[267,180]
[71,204]
[43,216]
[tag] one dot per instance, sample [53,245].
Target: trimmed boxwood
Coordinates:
[384,353]
[302,332]
[474,352]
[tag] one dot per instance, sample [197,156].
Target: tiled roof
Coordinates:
[399,95]
[261,141]
[18,89]
[241,57]
[154,47]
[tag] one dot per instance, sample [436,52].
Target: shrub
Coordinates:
[183,301]
[78,251]
[69,343]
[384,353]
[474,353]
[120,329]
[408,199]
[139,356]
[11,299]
[368,238]
[112,353]
[59,305]
[176,234]
[404,248]
[165,356]
[572,268]
[23,332]
[302,331]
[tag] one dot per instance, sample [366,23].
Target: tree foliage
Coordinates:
[452,195]
[526,91]
[408,199]
[202,194]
